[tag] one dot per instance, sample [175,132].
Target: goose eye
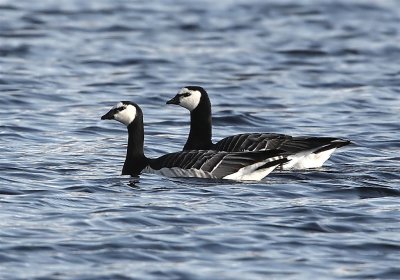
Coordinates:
[119,109]
[186,94]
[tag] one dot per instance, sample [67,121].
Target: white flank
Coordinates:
[189,102]
[249,173]
[307,159]
[127,115]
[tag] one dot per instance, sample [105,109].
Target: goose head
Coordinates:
[124,112]
[189,97]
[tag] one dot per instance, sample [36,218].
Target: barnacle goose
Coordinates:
[308,152]
[194,163]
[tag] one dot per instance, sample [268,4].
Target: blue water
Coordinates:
[296,67]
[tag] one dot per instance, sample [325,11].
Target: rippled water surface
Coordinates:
[295,67]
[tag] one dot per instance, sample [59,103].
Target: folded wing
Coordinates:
[219,164]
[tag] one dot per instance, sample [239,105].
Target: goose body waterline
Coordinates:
[307,152]
[191,163]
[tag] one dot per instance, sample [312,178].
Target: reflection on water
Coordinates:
[307,68]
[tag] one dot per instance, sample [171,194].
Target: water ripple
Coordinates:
[301,68]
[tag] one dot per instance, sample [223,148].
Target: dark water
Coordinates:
[296,67]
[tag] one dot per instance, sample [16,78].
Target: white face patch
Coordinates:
[126,115]
[189,98]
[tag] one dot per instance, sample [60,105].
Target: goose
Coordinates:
[193,163]
[307,152]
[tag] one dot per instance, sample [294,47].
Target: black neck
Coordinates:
[200,127]
[135,160]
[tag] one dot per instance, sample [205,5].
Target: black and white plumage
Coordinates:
[307,152]
[194,163]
